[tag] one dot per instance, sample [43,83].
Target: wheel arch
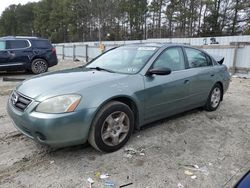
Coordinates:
[126,100]
[221,85]
[39,57]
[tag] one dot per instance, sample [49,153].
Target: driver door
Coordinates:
[167,95]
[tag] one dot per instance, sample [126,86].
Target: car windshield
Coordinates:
[126,59]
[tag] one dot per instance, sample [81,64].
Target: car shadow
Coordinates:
[87,147]
[164,120]
[11,73]
[15,76]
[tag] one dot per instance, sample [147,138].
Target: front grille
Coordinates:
[20,102]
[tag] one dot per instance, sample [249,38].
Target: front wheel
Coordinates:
[214,98]
[39,66]
[112,127]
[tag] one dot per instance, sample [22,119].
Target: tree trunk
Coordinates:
[235,18]
[199,20]
[159,20]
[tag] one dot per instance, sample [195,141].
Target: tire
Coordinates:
[214,98]
[39,66]
[112,127]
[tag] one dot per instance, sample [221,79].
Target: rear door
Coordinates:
[18,51]
[202,76]
[166,95]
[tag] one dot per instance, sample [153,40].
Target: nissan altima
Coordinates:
[117,92]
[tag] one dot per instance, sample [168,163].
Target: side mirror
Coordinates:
[159,71]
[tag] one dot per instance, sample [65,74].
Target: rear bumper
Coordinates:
[225,86]
[226,82]
[52,61]
[56,130]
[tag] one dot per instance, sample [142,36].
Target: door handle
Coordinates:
[186,81]
[11,54]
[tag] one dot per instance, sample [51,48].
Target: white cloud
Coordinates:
[5,3]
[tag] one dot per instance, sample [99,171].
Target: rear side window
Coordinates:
[41,44]
[2,45]
[197,58]
[17,44]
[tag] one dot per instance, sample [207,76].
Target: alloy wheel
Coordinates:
[115,128]
[39,67]
[215,97]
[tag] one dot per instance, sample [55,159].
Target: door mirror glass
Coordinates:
[159,71]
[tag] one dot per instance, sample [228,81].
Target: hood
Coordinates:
[64,82]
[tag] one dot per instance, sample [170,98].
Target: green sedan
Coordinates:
[117,92]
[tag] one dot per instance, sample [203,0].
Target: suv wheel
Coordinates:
[39,66]
[112,127]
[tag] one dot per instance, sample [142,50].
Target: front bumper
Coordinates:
[56,130]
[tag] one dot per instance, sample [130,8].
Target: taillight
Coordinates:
[53,50]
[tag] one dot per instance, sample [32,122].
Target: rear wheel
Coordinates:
[39,66]
[214,98]
[112,127]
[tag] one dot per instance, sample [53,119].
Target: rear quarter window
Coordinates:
[41,44]
[197,58]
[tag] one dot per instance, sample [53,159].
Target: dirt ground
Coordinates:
[193,149]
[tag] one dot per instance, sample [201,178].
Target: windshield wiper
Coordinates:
[101,69]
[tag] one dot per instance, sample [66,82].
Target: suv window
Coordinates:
[16,44]
[171,58]
[41,44]
[197,58]
[2,45]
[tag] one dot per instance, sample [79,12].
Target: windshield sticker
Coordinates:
[147,48]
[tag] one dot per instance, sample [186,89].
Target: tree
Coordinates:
[93,20]
[8,21]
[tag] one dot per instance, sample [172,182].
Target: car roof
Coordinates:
[154,44]
[21,37]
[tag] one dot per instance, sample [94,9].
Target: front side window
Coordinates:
[2,45]
[127,59]
[171,58]
[196,58]
[17,44]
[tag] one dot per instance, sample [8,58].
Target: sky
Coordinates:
[5,3]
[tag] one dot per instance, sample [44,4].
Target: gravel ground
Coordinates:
[193,149]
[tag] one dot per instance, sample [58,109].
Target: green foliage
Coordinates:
[92,20]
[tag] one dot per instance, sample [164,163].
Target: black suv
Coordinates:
[26,53]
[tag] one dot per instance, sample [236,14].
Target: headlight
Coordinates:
[59,104]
